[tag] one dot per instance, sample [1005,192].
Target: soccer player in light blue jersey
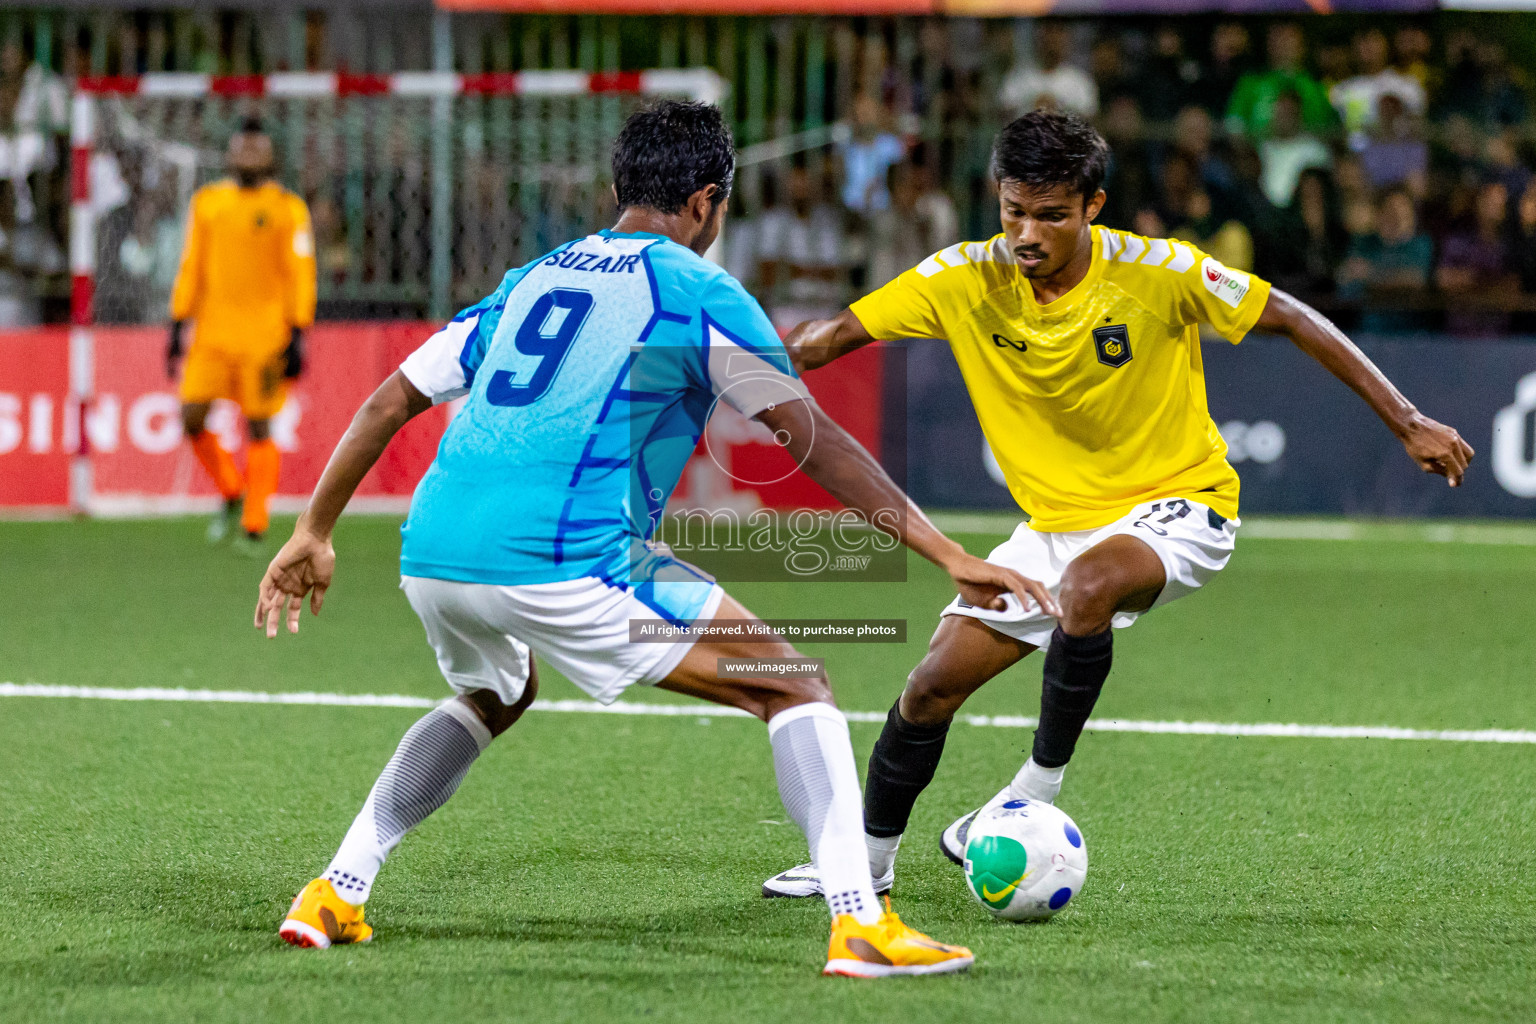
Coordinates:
[589,375]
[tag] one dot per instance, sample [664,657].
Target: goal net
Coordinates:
[424,187]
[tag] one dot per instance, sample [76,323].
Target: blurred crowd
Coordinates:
[1376,177]
[1378,172]
[34,196]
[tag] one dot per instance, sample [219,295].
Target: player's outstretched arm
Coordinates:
[1436,447]
[306,562]
[818,342]
[828,455]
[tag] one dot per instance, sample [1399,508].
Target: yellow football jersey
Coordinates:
[248,270]
[1093,403]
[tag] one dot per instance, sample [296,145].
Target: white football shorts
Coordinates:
[1192,541]
[482,632]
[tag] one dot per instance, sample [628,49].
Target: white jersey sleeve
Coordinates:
[748,367]
[437,368]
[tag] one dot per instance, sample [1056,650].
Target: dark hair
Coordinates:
[251,126]
[1045,148]
[666,153]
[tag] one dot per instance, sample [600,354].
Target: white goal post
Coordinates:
[440,182]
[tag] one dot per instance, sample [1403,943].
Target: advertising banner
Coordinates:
[1301,441]
[34,411]
[140,463]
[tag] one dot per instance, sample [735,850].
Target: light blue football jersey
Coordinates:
[589,374]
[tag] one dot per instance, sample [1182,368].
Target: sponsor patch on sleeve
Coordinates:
[1228,285]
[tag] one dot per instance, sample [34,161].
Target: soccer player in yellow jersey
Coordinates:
[247,282]
[1081,351]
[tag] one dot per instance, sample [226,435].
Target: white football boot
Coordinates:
[952,840]
[1031,783]
[803,881]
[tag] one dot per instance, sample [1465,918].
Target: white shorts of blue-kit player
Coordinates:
[1190,539]
[482,632]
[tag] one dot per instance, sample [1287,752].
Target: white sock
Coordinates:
[1036,783]
[819,785]
[428,766]
[882,854]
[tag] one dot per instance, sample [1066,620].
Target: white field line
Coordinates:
[1515,533]
[386,700]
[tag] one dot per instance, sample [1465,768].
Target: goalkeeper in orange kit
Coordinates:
[247,284]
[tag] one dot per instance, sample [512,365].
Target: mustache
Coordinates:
[1028,252]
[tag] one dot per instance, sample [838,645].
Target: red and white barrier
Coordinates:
[126,441]
[83,384]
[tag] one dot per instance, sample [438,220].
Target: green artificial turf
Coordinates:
[599,867]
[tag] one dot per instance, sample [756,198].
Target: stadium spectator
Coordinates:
[1393,151]
[1223,237]
[1358,99]
[1480,84]
[1288,150]
[1390,263]
[1253,102]
[1177,180]
[1193,136]
[1502,163]
[1476,263]
[868,157]
[1411,50]
[1248,200]
[1523,248]
[1129,184]
[1147,221]
[800,250]
[1334,65]
[1107,65]
[1307,257]
[34,108]
[333,256]
[151,253]
[1228,63]
[920,221]
[1050,81]
[1169,77]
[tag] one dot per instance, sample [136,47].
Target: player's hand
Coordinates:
[983,585]
[173,350]
[293,355]
[1437,448]
[303,566]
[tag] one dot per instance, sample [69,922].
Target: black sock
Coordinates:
[900,768]
[1075,670]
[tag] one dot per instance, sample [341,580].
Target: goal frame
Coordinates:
[699,84]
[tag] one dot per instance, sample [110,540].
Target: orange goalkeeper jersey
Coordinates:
[248,270]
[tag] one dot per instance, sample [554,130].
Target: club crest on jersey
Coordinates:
[1113,343]
[1002,342]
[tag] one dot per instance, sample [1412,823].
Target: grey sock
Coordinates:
[820,788]
[428,766]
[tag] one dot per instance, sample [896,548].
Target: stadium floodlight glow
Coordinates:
[92,180]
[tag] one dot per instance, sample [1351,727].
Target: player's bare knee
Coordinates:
[498,716]
[784,694]
[1089,597]
[929,699]
[193,419]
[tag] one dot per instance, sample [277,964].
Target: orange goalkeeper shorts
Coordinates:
[254,382]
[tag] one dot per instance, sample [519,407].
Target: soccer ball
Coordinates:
[1024,860]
